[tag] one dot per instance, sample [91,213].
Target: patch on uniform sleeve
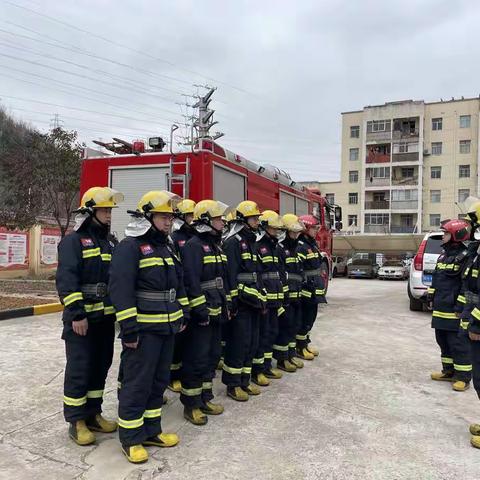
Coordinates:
[206,248]
[263,250]
[146,249]
[87,242]
[244,246]
[181,243]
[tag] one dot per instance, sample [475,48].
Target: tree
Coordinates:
[57,167]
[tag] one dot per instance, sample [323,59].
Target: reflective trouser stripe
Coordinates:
[74,402]
[155,413]
[109,310]
[446,315]
[447,360]
[207,385]
[268,355]
[464,324]
[176,366]
[258,361]
[233,371]
[247,370]
[95,394]
[281,348]
[462,368]
[292,344]
[191,392]
[280,311]
[301,337]
[130,423]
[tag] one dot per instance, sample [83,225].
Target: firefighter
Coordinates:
[446,287]
[313,288]
[268,259]
[205,267]
[88,317]
[182,232]
[146,287]
[284,349]
[248,302]
[470,298]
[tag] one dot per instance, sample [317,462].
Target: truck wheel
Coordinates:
[415,305]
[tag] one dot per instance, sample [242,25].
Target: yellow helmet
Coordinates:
[231,216]
[292,223]
[207,209]
[101,197]
[472,205]
[246,209]
[158,201]
[272,219]
[186,206]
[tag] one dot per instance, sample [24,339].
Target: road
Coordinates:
[365,409]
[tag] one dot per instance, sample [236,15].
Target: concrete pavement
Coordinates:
[365,409]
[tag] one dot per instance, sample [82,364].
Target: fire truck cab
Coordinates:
[207,171]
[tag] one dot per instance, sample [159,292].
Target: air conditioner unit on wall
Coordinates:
[426,151]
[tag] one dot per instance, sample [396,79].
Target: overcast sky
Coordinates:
[284,70]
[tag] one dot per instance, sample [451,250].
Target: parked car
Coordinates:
[421,269]
[339,266]
[393,269]
[362,268]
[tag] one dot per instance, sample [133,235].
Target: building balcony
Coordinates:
[406,135]
[376,228]
[376,182]
[373,157]
[402,229]
[405,181]
[404,204]
[377,205]
[378,137]
[406,157]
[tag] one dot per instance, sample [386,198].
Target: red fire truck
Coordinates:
[206,171]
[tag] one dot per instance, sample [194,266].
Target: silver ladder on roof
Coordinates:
[178,176]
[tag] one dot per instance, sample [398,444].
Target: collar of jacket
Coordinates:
[248,234]
[290,243]
[155,237]
[210,238]
[91,227]
[307,239]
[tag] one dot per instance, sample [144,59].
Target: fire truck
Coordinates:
[207,170]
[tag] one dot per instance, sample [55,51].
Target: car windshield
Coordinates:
[434,245]
[392,263]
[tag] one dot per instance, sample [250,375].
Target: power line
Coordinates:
[118,44]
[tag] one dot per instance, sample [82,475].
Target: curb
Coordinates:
[30,311]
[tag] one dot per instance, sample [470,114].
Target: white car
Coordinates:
[393,269]
[339,266]
[421,269]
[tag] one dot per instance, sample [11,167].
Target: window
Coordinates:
[465,146]
[353,198]
[353,176]
[408,172]
[435,196]
[437,123]
[405,147]
[435,172]
[404,195]
[463,194]
[354,152]
[434,219]
[436,148]
[352,220]
[376,218]
[465,121]
[380,172]
[330,198]
[464,171]
[355,131]
[378,126]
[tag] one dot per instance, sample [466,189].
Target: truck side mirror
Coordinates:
[338,213]
[338,226]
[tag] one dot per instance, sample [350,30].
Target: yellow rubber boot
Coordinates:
[475,441]
[475,429]
[286,366]
[100,424]
[261,380]
[296,361]
[212,408]
[313,350]
[237,394]
[164,440]
[304,354]
[80,433]
[460,386]
[442,377]
[175,386]
[274,373]
[135,453]
[252,389]
[195,416]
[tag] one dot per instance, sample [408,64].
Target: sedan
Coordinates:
[393,269]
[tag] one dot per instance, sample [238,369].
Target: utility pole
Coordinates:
[204,122]
[55,122]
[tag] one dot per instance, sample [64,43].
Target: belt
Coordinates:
[471,297]
[98,290]
[313,273]
[271,276]
[215,284]
[247,277]
[158,295]
[294,277]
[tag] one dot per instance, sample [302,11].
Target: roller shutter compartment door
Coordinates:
[228,186]
[287,203]
[133,183]
[301,206]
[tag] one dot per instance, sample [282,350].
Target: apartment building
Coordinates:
[406,165]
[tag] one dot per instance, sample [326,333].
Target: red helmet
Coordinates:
[458,229]
[309,221]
